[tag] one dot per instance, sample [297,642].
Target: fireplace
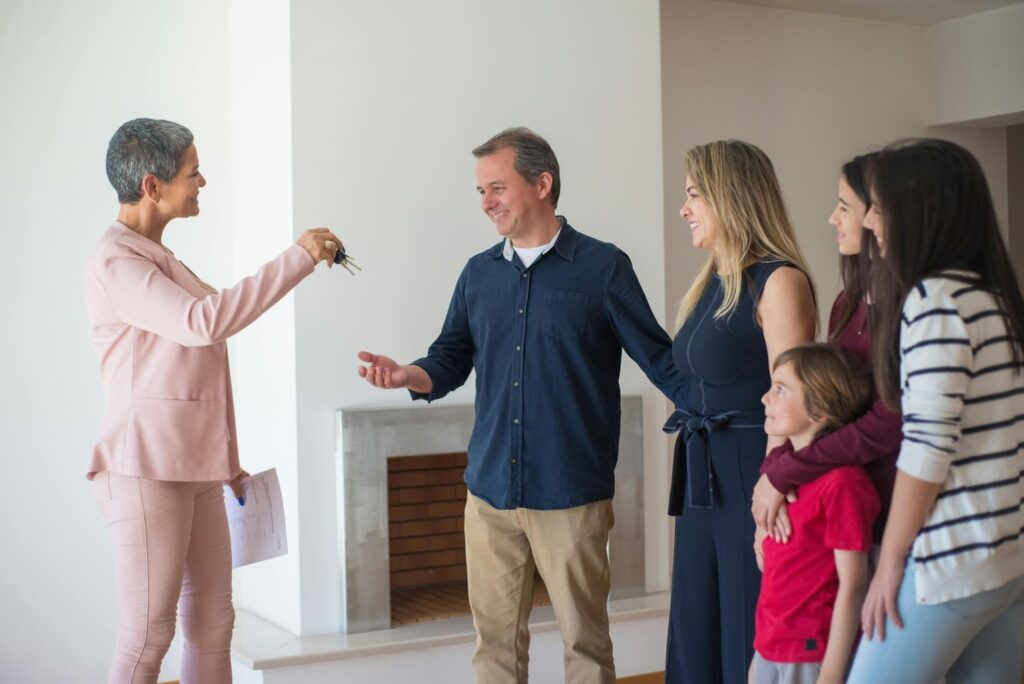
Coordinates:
[407,569]
[426,501]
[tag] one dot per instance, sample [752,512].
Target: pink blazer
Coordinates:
[160,334]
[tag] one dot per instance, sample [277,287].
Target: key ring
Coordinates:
[346,261]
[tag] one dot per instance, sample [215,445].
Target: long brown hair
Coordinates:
[938,216]
[854,268]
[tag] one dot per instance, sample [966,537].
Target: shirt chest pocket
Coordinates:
[560,313]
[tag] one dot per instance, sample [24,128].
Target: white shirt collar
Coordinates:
[508,250]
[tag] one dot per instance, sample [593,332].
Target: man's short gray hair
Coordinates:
[144,146]
[534,155]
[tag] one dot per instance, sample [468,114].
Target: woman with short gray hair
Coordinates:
[167,440]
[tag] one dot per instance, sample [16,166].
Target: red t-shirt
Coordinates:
[800,581]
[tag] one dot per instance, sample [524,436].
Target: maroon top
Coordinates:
[872,441]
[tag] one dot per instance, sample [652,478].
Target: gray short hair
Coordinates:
[534,155]
[144,146]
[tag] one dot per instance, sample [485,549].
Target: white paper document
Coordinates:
[257,528]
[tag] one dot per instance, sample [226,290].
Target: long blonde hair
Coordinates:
[738,182]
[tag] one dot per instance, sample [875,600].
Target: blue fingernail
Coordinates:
[241,501]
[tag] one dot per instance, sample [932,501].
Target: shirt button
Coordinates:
[516,421]
[519,348]
[520,311]
[515,383]
[513,461]
[526,275]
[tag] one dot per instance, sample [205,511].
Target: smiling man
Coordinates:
[543,317]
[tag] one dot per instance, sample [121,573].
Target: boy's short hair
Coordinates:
[836,384]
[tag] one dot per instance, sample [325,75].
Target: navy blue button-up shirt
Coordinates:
[546,342]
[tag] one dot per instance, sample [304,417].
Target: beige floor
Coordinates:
[652,678]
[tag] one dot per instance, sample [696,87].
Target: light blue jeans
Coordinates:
[978,639]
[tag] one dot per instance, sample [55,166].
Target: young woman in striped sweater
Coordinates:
[948,594]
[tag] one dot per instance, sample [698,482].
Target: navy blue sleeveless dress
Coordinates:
[718,454]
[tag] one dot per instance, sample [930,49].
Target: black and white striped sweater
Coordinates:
[963,408]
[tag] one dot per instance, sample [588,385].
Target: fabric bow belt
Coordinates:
[698,428]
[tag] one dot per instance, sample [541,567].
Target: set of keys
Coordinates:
[346,262]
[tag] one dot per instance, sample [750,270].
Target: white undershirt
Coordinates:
[528,254]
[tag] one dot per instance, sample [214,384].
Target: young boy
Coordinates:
[813,586]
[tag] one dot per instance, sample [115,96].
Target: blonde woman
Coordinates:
[752,300]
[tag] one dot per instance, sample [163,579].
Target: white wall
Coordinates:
[387,106]
[976,67]
[71,73]
[1015,180]
[263,355]
[812,90]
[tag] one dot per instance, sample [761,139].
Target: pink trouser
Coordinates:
[170,539]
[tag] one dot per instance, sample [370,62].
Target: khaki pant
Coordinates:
[569,549]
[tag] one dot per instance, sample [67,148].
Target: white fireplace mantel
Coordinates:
[367,437]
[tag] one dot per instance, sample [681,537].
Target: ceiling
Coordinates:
[921,12]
